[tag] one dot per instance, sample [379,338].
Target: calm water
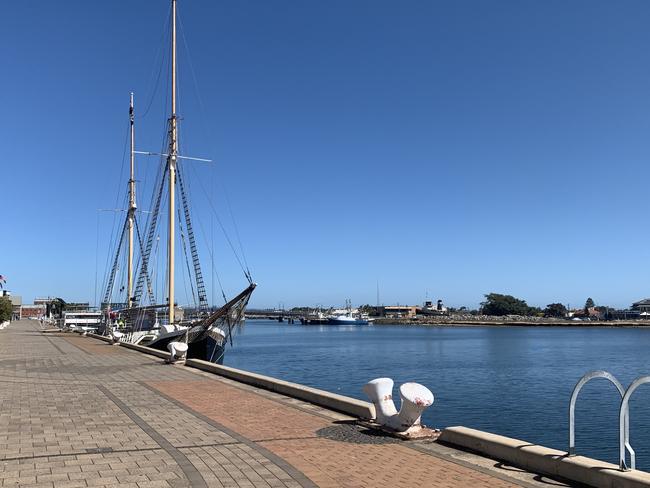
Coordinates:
[514,381]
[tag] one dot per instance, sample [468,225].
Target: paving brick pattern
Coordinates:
[294,435]
[76,412]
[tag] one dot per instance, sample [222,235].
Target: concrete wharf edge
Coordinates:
[519,453]
[544,460]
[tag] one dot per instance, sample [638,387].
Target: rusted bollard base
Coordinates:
[418,432]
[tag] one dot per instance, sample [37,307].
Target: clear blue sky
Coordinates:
[455,148]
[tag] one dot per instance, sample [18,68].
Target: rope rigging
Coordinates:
[161,49]
[198,275]
[187,261]
[147,277]
[114,225]
[197,92]
[225,233]
[153,221]
[146,274]
[111,279]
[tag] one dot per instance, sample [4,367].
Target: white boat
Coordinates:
[345,320]
[347,316]
[81,321]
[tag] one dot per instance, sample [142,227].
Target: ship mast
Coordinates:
[132,205]
[171,162]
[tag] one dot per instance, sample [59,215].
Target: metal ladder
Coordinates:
[625,447]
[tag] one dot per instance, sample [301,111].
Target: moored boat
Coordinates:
[348,316]
[207,330]
[346,320]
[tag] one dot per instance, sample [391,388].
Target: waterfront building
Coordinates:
[398,311]
[430,309]
[33,311]
[642,306]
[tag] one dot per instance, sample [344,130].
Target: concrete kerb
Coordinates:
[100,337]
[332,401]
[543,460]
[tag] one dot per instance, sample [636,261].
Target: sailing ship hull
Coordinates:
[205,349]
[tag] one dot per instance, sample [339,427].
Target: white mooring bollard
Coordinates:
[116,337]
[415,399]
[177,352]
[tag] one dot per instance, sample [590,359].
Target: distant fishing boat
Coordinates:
[345,320]
[348,317]
[206,330]
[315,318]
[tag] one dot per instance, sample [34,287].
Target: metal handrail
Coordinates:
[624,417]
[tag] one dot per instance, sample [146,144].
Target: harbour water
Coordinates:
[514,381]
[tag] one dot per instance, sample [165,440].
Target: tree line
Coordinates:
[498,304]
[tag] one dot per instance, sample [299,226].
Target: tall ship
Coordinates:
[132,312]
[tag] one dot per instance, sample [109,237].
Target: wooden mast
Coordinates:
[132,206]
[171,161]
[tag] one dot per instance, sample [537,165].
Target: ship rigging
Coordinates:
[139,319]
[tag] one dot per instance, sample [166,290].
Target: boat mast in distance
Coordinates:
[171,163]
[132,207]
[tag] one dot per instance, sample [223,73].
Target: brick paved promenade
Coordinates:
[77,412]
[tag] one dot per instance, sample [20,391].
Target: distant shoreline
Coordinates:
[513,323]
[496,322]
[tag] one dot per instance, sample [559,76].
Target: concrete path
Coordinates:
[77,412]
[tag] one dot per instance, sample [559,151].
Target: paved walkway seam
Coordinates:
[79,453]
[191,473]
[63,353]
[297,475]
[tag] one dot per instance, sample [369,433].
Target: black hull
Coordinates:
[206,349]
[304,321]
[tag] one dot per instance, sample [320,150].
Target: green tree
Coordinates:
[588,304]
[605,312]
[5,309]
[555,310]
[497,304]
